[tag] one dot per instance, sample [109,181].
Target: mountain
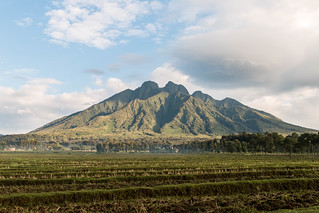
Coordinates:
[167,111]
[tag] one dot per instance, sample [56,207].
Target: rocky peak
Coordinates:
[204,97]
[148,89]
[171,88]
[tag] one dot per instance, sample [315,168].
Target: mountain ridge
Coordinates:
[167,111]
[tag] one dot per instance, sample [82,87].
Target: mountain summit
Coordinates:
[167,111]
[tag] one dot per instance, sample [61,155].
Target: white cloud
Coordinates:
[98,81]
[137,32]
[203,25]
[299,106]
[34,104]
[225,44]
[97,23]
[156,5]
[115,85]
[167,72]
[25,22]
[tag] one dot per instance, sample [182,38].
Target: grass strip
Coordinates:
[8,172]
[206,189]
[187,177]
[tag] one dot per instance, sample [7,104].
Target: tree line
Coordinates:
[234,143]
[257,143]
[135,146]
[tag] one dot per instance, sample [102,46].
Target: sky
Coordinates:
[61,56]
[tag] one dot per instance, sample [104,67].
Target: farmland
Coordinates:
[89,182]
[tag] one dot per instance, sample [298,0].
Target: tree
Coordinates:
[237,145]
[244,147]
[269,144]
[261,142]
[305,142]
[290,142]
[102,148]
[278,141]
[3,145]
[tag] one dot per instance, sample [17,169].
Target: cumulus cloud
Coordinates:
[167,72]
[156,5]
[34,104]
[21,108]
[297,106]
[251,44]
[115,85]
[98,23]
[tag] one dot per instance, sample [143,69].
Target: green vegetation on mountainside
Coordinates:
[150,110]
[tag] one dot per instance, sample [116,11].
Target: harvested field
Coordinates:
[82,182]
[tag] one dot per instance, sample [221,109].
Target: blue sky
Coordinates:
[58,57]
